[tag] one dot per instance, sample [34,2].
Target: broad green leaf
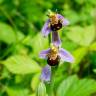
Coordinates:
[21,64]
[68,45]
[72,16]
[73,86]
[21,49]
[32,94]
[35,81]
[92,47]
[94,70]
[82,36]
[7,34]
[20,35]
[79,55]
[11,91]
[38,43]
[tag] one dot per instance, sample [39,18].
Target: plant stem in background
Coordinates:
[11,21]
[25,20]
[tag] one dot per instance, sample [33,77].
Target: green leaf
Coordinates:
[33,94]
[94,70]
[93,47]
[20,35]
[35,81]
[21,64]
[72,16]
[38,43]
[7,34]
[11,91]
[82,36]
[79,55]
[73,86]
[68,45]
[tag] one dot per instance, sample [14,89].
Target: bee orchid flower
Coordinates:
[54,23]
[53,56]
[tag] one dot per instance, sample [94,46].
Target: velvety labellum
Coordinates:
[55,27]
[52,62]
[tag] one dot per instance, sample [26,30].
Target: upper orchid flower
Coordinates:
[54,23]
[55,54]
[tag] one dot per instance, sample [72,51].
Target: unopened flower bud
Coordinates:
[41,91]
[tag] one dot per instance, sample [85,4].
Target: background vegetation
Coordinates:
[21,41]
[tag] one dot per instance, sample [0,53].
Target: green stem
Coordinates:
[49,38]
[51,86]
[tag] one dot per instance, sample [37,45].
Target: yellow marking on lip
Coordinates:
[53,52]
[54,49]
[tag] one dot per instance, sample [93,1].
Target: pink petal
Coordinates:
[46,29]
[65,55]
[43,54]
[65,21]
[56,39]
[46,73]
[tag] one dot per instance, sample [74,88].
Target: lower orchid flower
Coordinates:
[53,56]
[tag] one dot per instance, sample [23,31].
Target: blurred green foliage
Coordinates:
[21,41]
